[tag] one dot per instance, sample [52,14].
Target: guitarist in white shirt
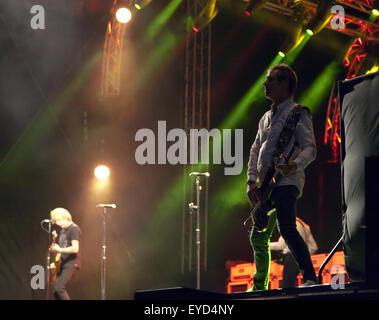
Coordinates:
[280,87]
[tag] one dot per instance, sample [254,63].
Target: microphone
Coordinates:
[204,174]
[106,205]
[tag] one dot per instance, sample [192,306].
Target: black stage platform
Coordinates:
[352,291]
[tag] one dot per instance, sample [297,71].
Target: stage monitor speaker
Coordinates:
[359,116]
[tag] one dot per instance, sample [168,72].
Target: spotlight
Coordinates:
[322,17]
[253,6]
[282,54]
[205,16]
[375,12]
[294,37]
[123,15]
[141,4]
[102,172]
[373,69]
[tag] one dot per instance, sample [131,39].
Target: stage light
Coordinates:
[294,38]
[102,172]
[141,4]
[322,17]
[123,15]
[375,12]
[310,32]
[373,69]
[281,53]
[254,6]
[205,16]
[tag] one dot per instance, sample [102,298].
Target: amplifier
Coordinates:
[241,272]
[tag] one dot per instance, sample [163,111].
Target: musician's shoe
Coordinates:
[308,283]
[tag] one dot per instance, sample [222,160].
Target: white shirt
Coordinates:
[264,146]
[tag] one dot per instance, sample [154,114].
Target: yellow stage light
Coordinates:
[102,172]
[123,15]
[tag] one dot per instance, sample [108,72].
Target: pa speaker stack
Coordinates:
[359,116]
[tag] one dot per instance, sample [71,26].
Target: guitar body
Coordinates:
[261,211]
[55,265]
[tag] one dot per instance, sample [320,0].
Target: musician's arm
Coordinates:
[74,248]
[252,172]
[306,140]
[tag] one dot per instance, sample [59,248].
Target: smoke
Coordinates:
[34,63]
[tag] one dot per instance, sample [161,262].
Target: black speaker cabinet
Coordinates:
[359,116]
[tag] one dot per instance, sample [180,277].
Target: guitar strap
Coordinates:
[284,139]
[288,131]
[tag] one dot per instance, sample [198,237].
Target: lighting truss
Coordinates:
[113,46]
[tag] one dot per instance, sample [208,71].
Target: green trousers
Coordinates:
[260,241]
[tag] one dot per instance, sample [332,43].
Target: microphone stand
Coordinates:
[197,209]
[103,256]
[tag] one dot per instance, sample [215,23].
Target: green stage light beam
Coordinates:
[320,88]
[40,125]
[230,195]
[167,45]
[292,55]
[255,93]
[156,26]
[227,203]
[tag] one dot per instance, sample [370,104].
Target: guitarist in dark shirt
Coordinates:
[69,248]
[280,87]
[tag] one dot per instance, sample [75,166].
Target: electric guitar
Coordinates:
[260,213]
[54,266]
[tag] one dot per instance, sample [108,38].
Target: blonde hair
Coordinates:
[60,214]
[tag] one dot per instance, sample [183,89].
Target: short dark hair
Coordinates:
[285,72]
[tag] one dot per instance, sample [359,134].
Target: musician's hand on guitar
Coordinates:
[253,194]
[55,248]
[286,169]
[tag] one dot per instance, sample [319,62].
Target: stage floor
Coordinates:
[355,291]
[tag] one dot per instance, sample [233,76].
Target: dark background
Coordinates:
[49,90]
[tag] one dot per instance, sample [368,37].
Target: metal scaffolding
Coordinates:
[113,46]
[196,116]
